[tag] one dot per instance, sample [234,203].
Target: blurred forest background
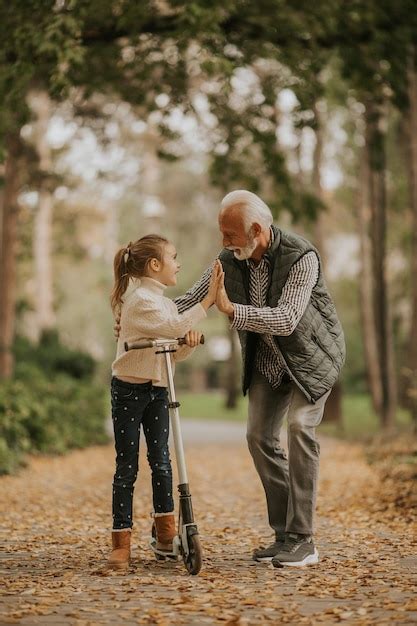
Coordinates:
[120,118]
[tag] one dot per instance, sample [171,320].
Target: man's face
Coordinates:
[234,234]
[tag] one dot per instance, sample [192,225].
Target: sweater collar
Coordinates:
[152,285]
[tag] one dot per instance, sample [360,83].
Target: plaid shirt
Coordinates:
[258,318]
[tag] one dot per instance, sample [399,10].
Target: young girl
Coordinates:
[139,386]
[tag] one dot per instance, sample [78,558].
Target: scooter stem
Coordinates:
[175,422]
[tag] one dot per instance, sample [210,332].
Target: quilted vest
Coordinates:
[315,352]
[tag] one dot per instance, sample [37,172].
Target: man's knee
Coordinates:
[299,429]
[304,434]
[257,441]
[297,425]
[252,438]
[305,417]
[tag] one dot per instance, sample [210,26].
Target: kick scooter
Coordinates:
[187,542]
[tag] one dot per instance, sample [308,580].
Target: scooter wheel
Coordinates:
[193,560]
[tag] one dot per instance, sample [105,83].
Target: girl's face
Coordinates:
[169,268]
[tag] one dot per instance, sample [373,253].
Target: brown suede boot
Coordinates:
[120,556]
[165,531]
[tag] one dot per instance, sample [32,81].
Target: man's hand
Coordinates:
[217,276]
[117,327]
[192,338]
[222,300]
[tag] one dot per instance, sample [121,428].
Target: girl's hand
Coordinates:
[192,338]
[216,279]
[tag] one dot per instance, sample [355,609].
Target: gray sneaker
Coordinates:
[266,554]
[298,550]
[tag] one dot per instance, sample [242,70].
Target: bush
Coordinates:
[14,438]
[51,356]
[49,416]
[49,410]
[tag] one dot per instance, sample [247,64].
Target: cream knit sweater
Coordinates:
[147,313]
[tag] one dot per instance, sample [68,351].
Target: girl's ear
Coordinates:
[155,265]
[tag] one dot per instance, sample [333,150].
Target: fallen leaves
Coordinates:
[57,536]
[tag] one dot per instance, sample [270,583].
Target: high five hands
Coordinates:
[222,300]
[216,295]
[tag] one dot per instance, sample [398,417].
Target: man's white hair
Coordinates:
[253,209]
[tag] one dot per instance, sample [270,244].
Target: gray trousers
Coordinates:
[290,483]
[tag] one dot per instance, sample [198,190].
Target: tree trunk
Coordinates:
[333,407]
[319,227]
[412,174]
[366,300]
[43,263]
[232,377]
[375,139]
[9,216]
[42,236]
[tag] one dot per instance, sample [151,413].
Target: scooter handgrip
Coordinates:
[181,340]
[139,345]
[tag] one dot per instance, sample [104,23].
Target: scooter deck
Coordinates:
[172,556]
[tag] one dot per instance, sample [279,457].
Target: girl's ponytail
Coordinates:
[131,262]
[121,278]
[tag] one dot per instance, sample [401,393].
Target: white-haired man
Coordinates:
[293,350]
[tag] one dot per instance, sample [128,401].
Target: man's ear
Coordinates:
[256,229]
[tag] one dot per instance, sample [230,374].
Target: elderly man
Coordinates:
[293,349]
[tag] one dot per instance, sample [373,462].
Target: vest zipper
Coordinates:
[294,378]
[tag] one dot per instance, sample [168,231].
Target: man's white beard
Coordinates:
[246,252]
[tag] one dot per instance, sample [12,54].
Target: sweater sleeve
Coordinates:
[157,322]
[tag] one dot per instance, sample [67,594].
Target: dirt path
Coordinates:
[55,539]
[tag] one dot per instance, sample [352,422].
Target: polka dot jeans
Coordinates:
[134,405]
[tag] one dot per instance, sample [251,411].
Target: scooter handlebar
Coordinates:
[141,344]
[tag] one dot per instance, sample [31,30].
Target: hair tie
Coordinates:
[127,252]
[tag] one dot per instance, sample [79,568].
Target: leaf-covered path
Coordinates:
[55,540]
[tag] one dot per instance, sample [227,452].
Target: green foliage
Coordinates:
[375,39]
[40,44]
[38,414]
[51,405]
[138,51]
[52,357]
